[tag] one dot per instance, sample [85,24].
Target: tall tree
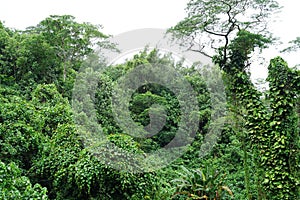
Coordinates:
[212,24]
[72,42]
[234,30]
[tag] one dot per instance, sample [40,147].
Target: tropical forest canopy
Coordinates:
[44,154]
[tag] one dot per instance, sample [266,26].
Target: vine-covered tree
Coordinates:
[234,30]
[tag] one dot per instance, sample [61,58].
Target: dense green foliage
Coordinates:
[39,142]
[276,139]
[146,96]
[45,154]
[266,126]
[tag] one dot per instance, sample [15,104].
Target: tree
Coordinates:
[72,42]
[212,24]
[239,35]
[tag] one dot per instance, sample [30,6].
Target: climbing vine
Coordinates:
[272,130]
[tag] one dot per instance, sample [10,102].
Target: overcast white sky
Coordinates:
[118,16]
[115,15]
